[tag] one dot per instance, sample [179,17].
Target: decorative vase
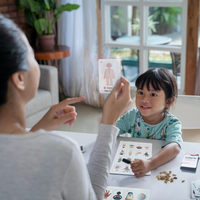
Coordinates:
[46,42]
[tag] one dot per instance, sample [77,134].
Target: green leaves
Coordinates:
[40,25]
[31,5]
[47,4]
[29,17]
[67,7]
[38,14]
[151,24]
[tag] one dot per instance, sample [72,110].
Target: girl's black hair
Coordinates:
[13,54]
[159,78]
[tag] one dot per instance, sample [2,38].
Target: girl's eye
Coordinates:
[153,95]
[141,93]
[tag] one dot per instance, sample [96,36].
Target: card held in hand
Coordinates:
[109,74]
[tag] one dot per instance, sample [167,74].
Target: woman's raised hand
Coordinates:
[58,114]
[117,102]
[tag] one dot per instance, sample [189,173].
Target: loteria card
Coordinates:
[109,74]
[195,189]
[190,161]
[130,151]
[124,193]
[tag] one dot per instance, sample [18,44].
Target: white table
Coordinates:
[158,189]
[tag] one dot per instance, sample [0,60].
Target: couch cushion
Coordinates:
[40,102]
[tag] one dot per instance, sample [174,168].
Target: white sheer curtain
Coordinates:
[78,30]
[197,82]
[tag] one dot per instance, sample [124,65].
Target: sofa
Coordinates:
[47,95]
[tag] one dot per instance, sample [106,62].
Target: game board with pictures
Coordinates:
[123,193]
[131,151]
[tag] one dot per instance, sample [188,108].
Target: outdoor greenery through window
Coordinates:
[156,41]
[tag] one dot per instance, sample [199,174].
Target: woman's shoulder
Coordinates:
[58,137]
[52,143]
[57,140]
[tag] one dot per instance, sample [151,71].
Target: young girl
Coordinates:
[156,92]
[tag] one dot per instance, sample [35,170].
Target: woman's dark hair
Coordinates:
[13,54]
[159,78]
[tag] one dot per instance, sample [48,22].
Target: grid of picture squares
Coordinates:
[122,193]
[130,151]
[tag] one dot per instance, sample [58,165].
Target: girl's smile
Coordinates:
[145,107]
[151,104]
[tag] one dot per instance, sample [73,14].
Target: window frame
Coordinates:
[143,47]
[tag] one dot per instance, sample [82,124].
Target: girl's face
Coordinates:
[151,104]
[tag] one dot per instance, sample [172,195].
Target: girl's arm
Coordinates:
[171,147]
[141,167]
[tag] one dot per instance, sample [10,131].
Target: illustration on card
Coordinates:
[109,75]
[146,154]
[129,196]
[107,194]
[138,153]
[123,145]
[119,159]
[147,147]
[121,152]
[117,196]
[141,196]
[124,193]
[126,169]
[117,168]
[130,153]
[139,147]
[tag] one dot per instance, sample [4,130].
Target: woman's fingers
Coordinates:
[68,109]
[117,102]
[66,102]
[116,87]
[63,111]
[66,118]
[70,122]
[126,84]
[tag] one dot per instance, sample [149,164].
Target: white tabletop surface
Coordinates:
[158,189]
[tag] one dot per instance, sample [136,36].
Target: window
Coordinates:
[146,34]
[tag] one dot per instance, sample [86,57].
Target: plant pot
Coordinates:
[46,42]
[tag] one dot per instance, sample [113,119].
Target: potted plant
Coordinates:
[42,15]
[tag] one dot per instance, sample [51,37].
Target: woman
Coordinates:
[39,164]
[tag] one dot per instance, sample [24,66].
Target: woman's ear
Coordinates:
[169,102]
[18,80]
